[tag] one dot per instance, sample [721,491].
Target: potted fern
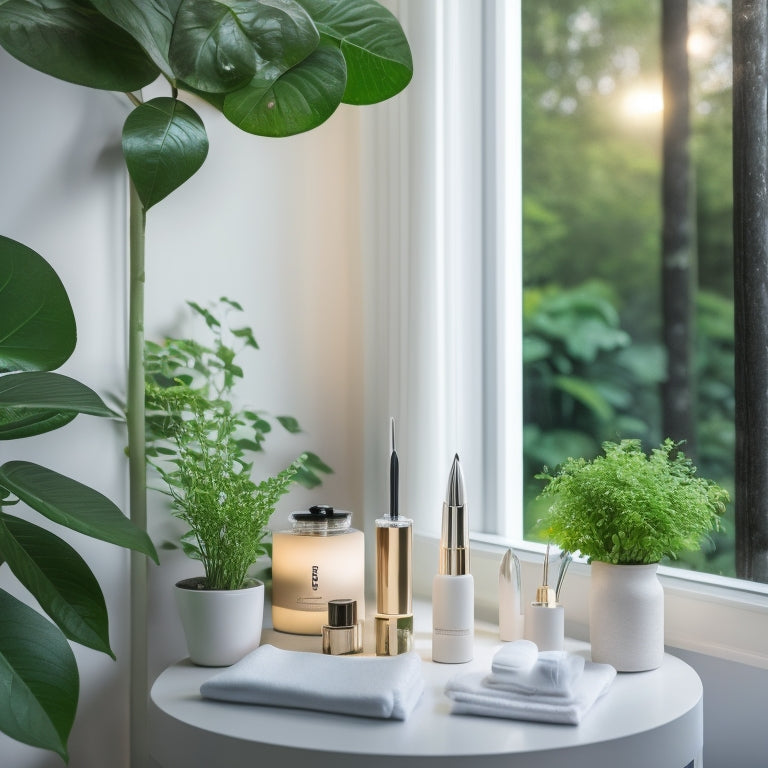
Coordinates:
[624,511]
[198,442]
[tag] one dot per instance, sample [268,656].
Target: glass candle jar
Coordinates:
[321,558]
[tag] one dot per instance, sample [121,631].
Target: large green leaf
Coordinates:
[219,47]
[25,422]
[59,579]
[71,41]
[164,143]
[377,53]
[39,684]
[74,505]
[37,325]
[209,48]
[150,22]
[283,34]
[298,100]
[38,401]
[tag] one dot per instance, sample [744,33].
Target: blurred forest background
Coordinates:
[594,359]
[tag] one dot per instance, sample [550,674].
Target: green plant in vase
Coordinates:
[624,511]
[199,442]
[626,507]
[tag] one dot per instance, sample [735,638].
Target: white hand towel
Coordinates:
[471,696]
[554,673]
[370,687]
[516,656]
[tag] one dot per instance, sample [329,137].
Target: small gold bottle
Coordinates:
[343,634]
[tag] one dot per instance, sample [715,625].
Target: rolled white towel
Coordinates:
[553,673]
[471,696]
[380,687]
[517,656]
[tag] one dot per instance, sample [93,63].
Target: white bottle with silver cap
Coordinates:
[453,588]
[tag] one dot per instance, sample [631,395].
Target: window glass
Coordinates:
[594,355]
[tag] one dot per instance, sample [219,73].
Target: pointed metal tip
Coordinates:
[392,433]
[454,495]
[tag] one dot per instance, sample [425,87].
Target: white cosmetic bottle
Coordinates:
[453,588]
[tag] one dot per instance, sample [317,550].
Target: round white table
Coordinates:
[645,719]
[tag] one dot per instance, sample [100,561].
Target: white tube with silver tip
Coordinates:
[453,588]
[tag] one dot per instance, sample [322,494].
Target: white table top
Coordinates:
[649,718]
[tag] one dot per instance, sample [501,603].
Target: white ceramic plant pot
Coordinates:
[221,626]
[626,616]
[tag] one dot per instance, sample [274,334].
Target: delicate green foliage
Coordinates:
[164,143]
[38,668]
[37,325]
[289,423]
[197,441]
[308,474]
[631,508]
[68,40]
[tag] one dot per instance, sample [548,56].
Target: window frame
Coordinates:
[721,617]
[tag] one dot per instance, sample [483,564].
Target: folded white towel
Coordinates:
[517,656]
[553,673]
[370,687]
[471,696]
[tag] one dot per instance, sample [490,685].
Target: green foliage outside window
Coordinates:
[593,358]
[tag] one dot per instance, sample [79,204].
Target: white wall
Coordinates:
[271,223]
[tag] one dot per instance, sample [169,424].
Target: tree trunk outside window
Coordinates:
[678,256]
[750,234]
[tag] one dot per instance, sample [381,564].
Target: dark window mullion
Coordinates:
[750,234]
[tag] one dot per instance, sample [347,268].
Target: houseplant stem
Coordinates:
[137,470]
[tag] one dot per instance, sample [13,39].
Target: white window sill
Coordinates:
[720,617]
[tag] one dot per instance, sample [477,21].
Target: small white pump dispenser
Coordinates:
[453,588]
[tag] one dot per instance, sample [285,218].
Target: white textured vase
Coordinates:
[221,626]
[626,616]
